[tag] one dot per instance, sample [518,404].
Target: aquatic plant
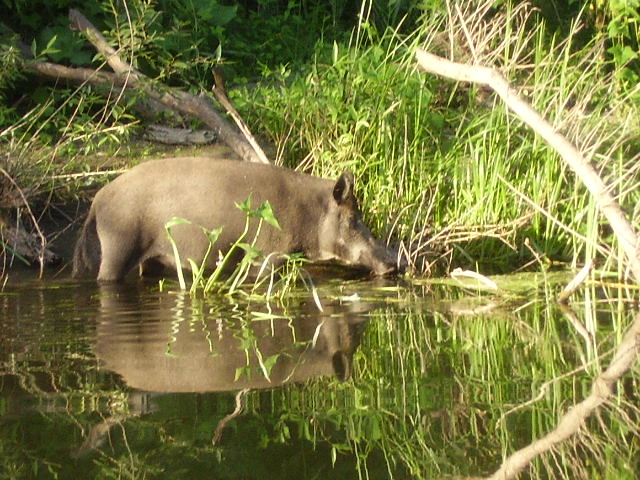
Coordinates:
[273,274]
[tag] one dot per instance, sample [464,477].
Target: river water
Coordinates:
[392,379]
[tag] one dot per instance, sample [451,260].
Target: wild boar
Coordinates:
[125,226]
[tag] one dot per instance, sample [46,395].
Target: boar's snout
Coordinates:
[385,261]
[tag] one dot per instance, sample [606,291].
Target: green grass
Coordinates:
[443,168]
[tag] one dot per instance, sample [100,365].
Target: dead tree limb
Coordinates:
[218,91]
[200,106]
[147,108]
[581,167]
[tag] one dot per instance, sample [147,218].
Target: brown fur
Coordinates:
[126,223]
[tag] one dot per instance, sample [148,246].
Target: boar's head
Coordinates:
[345,238]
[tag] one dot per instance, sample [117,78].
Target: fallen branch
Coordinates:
[147,108]
[218,91]
[200,106]
[582,168]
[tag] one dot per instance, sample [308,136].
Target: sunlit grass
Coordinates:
[442,168]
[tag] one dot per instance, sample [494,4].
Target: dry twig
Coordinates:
[43,240]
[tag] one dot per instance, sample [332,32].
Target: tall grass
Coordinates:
[443,168]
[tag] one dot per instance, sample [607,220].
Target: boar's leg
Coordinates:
[120,253]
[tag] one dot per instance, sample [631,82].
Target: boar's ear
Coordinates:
[343,189]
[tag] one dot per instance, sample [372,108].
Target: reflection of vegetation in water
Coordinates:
[437,390]
[442,394]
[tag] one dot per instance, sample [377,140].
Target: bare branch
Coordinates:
[582,168]
[200,106]
[218,90]
[42,252]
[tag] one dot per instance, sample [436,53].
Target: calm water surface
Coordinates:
[388,381]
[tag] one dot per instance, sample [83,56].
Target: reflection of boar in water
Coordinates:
[169,349]
[126,223]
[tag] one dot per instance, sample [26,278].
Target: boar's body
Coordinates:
[126,224]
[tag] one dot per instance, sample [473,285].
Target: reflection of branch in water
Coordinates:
[570,423]
[577,324]
[573,319]
[223,423]
[573,285]
[97,436]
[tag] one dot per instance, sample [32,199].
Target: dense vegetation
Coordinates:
[445,382]
[443,169]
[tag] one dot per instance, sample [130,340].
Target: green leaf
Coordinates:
[214,13]
[242,372]
[628,54]
[245,206]
[250,252]
[217,55]
[213,234]
[265,212]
